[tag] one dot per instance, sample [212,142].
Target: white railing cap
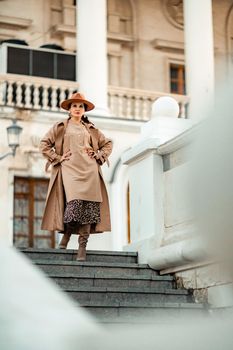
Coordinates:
[165,106]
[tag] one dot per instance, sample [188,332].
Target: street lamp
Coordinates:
[13,133]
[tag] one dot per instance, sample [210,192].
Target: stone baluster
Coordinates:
[54,99]
[71,90]
[10,101]
[120,105]
[112,103]
[150,107]
[62,95]
[136,108]
[36,96]
[145,108]
[19,91]
[182,110]
[2,92]
[28,96]
[129,107]
[45,97]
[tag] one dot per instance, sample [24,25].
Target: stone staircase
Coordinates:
[114,287]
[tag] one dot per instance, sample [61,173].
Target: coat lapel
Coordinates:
[61,129]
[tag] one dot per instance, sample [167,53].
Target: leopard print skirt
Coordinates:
[82,212]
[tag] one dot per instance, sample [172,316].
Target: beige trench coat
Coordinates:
[51,146]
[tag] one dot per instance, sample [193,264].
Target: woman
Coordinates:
[77,200]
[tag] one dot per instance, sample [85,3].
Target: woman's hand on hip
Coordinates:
[90,152]
[66,156]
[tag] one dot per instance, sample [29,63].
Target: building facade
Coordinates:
[48,50]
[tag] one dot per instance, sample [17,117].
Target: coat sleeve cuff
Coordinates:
[101,158]
[56,160]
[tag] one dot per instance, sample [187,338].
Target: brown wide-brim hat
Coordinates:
[77,97]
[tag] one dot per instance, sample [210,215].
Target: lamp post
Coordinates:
[13,133]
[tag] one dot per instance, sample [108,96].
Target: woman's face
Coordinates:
[77,109]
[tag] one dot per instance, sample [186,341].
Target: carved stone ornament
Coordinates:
[173,11]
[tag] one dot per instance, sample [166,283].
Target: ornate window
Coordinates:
[29,200]
[177,79]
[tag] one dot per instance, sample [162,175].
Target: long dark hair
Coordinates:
[84,117]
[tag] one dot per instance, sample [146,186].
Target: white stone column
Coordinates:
[199,52]
[92,52]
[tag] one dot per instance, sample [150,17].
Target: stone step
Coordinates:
[156,313]
[92,255]
[107,280]
[114,288]
[128,296]
[99,268]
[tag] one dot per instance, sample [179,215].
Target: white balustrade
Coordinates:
[33,92]
[46,94]
[138,102]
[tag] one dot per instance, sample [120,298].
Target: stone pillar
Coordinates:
[92,52]
[199,52]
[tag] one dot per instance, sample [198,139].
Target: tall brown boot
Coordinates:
[64,241]
[82,240]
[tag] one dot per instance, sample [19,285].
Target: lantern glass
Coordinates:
[13,133]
